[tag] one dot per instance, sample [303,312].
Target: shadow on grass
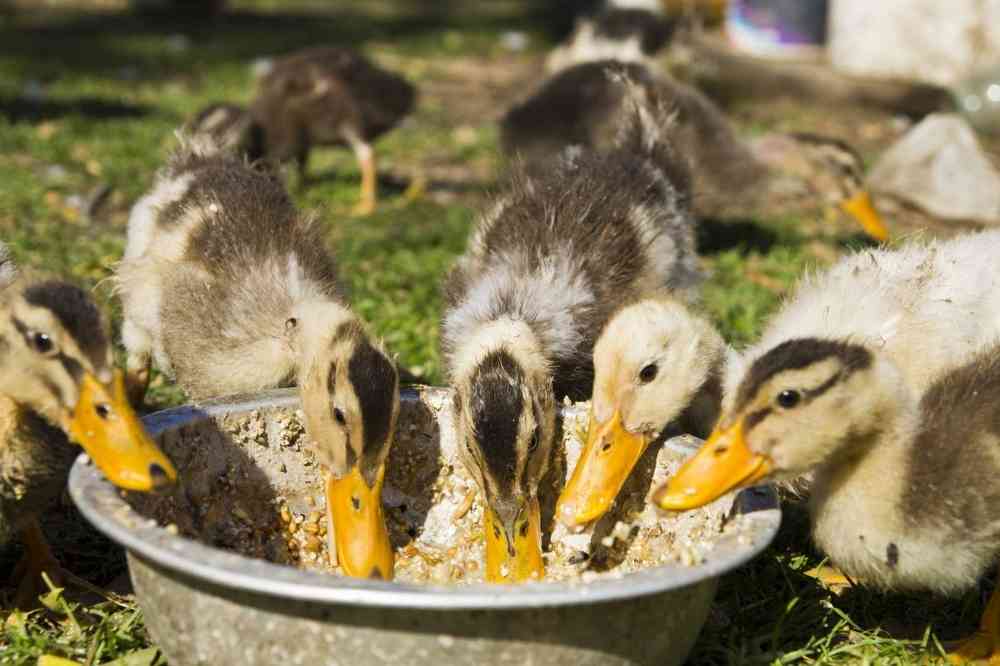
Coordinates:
[20,109]
[103,43]
[714,236]
[770,610]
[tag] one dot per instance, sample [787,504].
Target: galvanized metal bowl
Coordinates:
[204,605]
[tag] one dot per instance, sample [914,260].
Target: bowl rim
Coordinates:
[103,505]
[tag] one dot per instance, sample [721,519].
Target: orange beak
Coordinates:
[606,462]
[107,428]
[723,463]
[359,531]
[860,207]
[514,551]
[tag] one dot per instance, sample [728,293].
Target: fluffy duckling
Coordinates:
[230,290]
[549,262]
[625,34]
[904,486]
[583,105]
[656,363]
[57,391]
[922,306]
[328,96]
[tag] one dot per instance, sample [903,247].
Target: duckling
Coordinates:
[583,104]
[549,261]
[230,127]
[904,481]
[230,290]
[329,96]
[656,362]
[58,390]
[625,34]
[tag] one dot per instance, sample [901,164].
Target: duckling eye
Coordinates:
[103,410]
[41,342]
[648,373]
[788,398]
[339,416]
[533,444]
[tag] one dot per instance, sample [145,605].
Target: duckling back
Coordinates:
[588,104]
[217,261]
[560,250]
[928,305]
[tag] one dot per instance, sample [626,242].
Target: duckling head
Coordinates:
[831,167]
[350,396]
[55,359]
[505,411]
[801,405]
[650,362]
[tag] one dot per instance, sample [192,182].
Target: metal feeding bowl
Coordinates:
[208,601]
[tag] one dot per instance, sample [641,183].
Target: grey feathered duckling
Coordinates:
[230,290]
[550,259]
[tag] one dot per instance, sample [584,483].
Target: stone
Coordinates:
[939,166]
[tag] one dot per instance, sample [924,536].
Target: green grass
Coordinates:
[116,89]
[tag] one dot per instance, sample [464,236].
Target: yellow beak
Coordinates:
[606,462]
[359,531]
[514,552]
[723,463]
[107,428]
[861,209]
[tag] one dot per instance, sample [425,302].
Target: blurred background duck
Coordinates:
[585,105]
[924,306]
[57,391]
[904,495]
[324,96]
[549,261]
[232,291]
[328,96]
[625,34]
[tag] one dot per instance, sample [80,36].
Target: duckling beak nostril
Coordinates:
[159,476]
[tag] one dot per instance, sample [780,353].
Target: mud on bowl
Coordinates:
[246,464]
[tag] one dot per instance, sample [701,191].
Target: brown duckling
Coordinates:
[328,96]
[551,258]
[231,290]
[583,105]
[58,390]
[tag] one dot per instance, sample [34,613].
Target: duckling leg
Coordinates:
[984,645]
[366,161]
[38,559]
[137,364]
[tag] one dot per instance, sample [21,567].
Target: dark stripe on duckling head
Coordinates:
[496,405]
[76,313]
[798,354]
[373,377]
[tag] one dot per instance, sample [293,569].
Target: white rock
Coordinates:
[939,166]
[928,40]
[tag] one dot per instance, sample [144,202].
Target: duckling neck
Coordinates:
[855,503]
